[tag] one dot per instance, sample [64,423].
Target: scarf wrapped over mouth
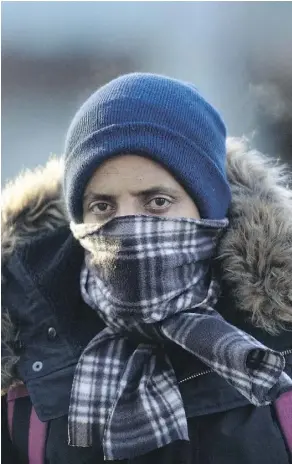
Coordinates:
[150,279]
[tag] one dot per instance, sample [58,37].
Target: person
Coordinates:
[146,297]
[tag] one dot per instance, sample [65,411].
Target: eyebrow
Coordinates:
[155,190]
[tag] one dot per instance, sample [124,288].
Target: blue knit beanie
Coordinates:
[162,118]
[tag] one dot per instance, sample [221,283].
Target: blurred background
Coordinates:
[55,54]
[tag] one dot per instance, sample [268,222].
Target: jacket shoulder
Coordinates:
[31,206]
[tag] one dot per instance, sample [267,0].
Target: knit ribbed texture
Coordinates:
[162,118]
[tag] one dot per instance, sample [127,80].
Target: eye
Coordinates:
[100,208]
[158,203]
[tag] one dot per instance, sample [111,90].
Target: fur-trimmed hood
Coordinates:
[255,254]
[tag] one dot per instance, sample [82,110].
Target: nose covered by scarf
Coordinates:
[150,280]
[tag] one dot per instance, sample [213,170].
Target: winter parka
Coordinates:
[46,325]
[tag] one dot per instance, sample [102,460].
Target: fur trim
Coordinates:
[8,358]
[31,204]
[255,254]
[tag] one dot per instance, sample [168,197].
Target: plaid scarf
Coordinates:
[149,279]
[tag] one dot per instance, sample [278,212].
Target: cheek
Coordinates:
[194,212]
[186,208]
[88,218]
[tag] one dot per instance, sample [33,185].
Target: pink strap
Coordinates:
[36,439]
[19,391]
[283,407]
[10,412]
[37,429]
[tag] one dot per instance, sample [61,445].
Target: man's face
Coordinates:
[132,185]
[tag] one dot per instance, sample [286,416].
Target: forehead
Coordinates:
[134,170]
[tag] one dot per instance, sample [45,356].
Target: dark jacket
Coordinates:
[47,325]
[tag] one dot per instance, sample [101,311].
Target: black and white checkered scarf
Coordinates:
[149,280]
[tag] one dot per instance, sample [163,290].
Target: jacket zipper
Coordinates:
[199,374]
[286,352]
[209,371]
